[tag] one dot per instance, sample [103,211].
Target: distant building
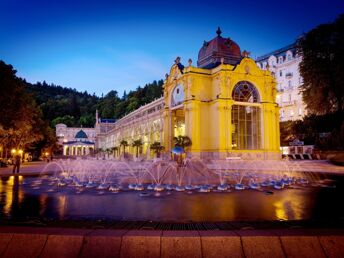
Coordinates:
[75,140]
[79,141]
[284,66]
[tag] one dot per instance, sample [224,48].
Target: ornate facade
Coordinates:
[145,123]
[75,141]
[226,106]
[284,66]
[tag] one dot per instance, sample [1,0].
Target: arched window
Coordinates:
[289,55]
[177,97]
[280,60]
[245,92]
[246,117]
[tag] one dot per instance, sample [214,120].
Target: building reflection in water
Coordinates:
[18,200]
[11,196]
[43,202]
[290,206]
[61,200]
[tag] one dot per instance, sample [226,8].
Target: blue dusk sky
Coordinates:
[102,45]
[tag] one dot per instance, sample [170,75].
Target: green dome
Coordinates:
[81,135]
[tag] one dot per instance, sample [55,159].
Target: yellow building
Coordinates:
[225,105]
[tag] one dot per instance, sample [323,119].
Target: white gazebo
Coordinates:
[79,147]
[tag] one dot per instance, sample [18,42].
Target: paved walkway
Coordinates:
[61,242]
[316,166]
[27,168]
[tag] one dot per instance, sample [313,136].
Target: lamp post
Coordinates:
[21,154]
[13,152]
[46,155]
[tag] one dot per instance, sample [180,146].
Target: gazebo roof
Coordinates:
[81,135]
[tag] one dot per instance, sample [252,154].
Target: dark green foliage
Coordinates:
[21,120]
[135,99]
[31,111]
[338,159]
[322,67]
[137,144]
[333,141]
[325,131]
[107,104]
[157,148]
[11,95]
[60,104]
[73,108]
[124,143]
[287,133]
[182,141]
[67,120]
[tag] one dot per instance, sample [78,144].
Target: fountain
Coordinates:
[188,174]
[188,189]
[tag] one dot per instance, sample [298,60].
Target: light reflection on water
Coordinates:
[21,198]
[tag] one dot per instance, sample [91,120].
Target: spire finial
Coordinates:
[218,32]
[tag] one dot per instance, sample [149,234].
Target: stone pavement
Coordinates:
[27,168]
[58,242]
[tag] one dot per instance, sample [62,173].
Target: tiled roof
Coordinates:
[107,120]
[277,52]
[82,142]
[81,135]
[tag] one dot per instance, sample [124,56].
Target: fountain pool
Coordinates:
[165,191]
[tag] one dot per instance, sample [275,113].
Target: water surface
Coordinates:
[32,197]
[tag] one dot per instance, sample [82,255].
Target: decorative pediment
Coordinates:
[176,71]
[175,74]
[248,66]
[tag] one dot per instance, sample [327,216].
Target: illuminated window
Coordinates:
[246,119]
[245,92]
[300,112]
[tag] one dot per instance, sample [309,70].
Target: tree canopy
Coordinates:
[30,111]
[322,67]
[326,132]
[182,141]
[73,108]
[21,120]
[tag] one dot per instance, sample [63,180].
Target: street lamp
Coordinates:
[21,154]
